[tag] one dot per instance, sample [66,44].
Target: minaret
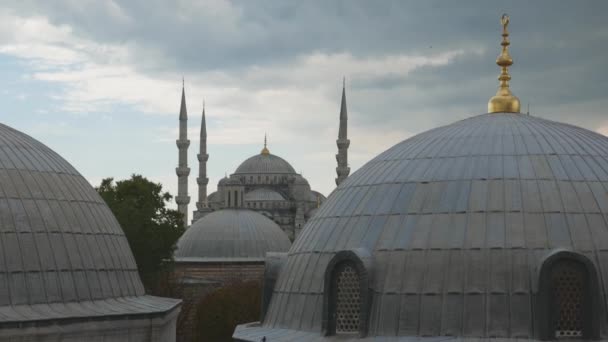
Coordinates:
[182,199]
[202,205]
[342,157]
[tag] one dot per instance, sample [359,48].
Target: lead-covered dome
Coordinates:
[62,251]
[455,227]
[265,163]
[231,235]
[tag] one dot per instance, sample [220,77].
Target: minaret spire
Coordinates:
[202,205]
[343,143]
[504,101]
[265,150]
[182,199]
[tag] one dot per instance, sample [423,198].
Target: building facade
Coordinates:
[226,246]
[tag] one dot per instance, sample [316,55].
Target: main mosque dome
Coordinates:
[491,227]
[265,164]
[63,256]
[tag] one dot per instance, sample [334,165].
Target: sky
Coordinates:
[100,81]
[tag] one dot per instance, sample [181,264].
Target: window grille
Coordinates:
[348,299]
[568,280]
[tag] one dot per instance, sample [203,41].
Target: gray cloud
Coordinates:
[559,48]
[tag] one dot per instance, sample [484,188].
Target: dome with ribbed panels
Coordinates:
[60,243]
[231,235]
[265,164]
[457,221]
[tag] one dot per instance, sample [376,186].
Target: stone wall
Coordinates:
[198,279]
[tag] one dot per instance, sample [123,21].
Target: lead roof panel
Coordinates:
[475,205]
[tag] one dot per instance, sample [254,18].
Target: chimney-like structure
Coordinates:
[182,199]
[202,205]
[342,157]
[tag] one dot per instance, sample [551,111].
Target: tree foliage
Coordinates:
[218,314]
[151,228]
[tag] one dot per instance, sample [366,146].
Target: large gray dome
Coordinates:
[265,163]
[229,235]
[457,221]
[62,252]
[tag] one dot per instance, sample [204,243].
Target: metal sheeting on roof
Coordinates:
[263,194]
[59,241]
[457,219]
[231,234]
[265,163]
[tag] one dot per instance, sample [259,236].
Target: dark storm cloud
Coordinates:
[214,34]
[559,47]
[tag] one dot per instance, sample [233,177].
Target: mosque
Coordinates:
[491,228]
[265,183]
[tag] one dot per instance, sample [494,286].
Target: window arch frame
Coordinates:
[546,315]
[362,261]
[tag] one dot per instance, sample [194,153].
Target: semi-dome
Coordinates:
[230,235]
[454,232]
[263,194]
[62,252]
[265,163]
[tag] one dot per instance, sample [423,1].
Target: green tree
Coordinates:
[150,227]
[218,313]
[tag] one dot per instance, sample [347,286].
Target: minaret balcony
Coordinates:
[182,199]
[202,181]
[182,143]
[182,171]
[343,143]
[202,157]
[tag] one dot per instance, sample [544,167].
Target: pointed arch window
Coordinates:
[346,293]
[568,297]
[346,299]
[568,280]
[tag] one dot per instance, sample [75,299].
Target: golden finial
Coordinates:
[504,100]
[265,149]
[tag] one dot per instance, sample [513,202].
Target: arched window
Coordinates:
[568,297]
[347,297]
[568,280]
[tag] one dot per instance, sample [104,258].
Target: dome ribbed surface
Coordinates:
[231,234]
[59,241]
[457,220]
[265,163]
[262,194]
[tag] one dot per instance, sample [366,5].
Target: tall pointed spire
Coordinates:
[202,205]
[182,199]
[343,143]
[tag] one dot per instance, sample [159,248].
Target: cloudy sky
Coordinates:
[100,81]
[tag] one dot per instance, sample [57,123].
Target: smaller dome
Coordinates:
[263,195]
[231,235]
[265,163]
[299,180]
[214,197]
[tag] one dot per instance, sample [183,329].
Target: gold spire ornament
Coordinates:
[504,101]
[265,149]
